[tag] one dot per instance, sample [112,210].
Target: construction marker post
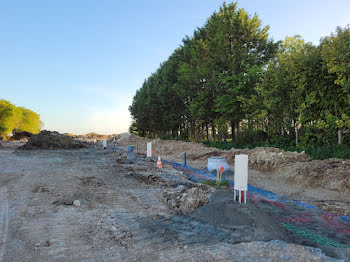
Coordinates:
[149,149]
[104,144]
[185,163]
[130,152]
[241,178]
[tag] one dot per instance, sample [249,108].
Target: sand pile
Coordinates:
[52,140]
[332,174]
[186,200]
[126,139]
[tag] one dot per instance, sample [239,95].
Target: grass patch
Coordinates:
[222,184]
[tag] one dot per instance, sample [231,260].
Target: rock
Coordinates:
[187,200]
[114,228]
[77,203]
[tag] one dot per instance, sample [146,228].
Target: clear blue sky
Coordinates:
[79,62]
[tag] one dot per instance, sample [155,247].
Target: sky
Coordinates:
[78,63]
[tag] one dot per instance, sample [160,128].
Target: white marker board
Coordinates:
[149,149]
[241,172]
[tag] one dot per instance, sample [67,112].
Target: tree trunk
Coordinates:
[339,137]
[207,127]
[213,131]
[233,132]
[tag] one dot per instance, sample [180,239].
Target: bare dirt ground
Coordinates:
[122,211]
[325,183]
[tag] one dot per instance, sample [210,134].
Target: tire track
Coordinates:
[4,222]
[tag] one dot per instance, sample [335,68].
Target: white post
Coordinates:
[241,175]
[149,149]
[104,144]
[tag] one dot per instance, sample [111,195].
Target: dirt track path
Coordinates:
[121,218]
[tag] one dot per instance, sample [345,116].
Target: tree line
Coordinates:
[230,80]
[15,119]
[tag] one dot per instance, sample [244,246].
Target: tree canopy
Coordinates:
[16,119]
[231,78]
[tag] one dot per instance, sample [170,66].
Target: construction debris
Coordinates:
[186,200]
[52,140]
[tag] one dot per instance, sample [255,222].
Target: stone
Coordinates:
[77,203]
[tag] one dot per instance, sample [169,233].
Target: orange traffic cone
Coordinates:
[159,163]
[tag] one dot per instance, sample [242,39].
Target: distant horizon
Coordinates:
[79,63]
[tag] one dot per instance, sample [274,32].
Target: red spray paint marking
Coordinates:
[328,217]
[280,205]
[297,219]
[255,200]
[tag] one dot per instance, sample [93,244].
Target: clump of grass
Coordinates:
[221,184]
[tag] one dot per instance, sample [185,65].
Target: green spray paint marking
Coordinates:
[317,238]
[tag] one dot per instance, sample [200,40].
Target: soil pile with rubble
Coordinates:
[290,167]
[186,200]
[52,140]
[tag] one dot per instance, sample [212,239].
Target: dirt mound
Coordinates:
[332,174]
[291,167]
[52,140]
[222,210]
[261,158]
[185,200]
[24,135]
[269,158]
[96,136]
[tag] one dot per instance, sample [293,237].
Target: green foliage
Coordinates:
[221,184]
[230,81]
[17,119]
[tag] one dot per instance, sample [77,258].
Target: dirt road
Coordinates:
[119,214]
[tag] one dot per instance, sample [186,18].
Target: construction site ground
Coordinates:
[92,204]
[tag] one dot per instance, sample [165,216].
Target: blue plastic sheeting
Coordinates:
[266,193]
[345,217]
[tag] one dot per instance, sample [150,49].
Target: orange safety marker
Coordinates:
[159,163]
[222,171]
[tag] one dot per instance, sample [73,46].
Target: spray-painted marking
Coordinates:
[310,235]
[3,222]
[297,219]
[269,194]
